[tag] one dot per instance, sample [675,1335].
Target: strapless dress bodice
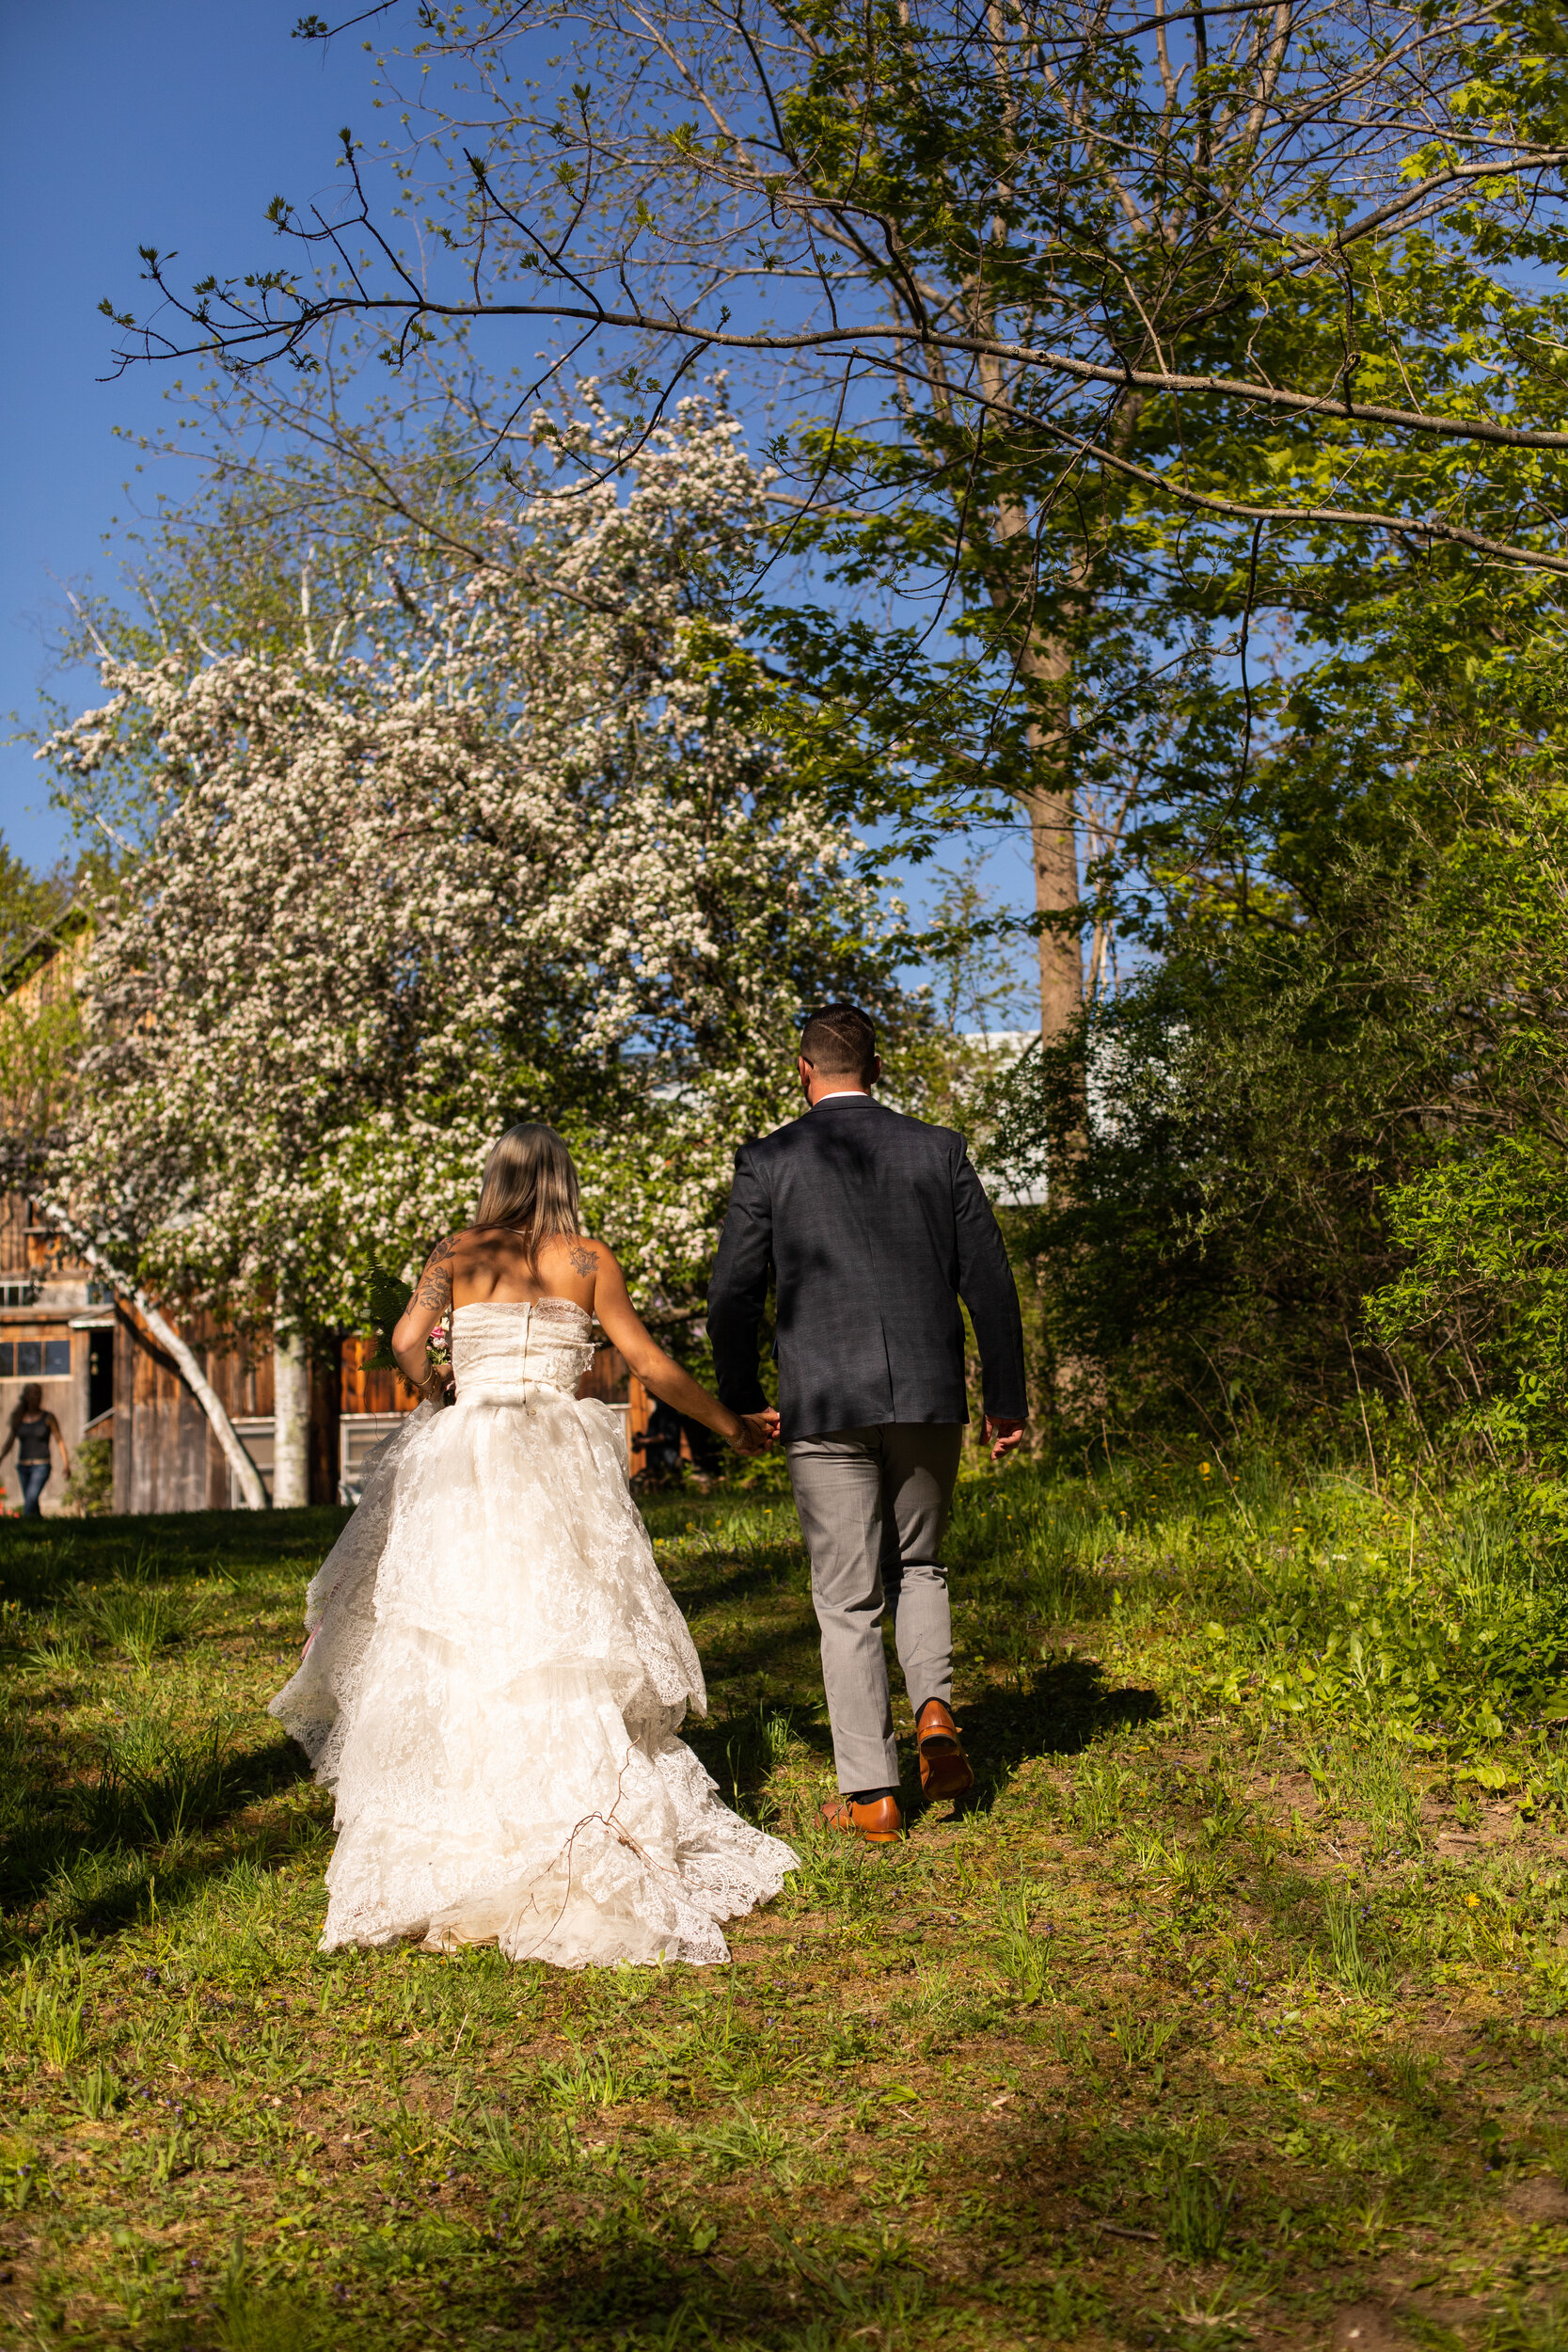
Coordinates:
[508,1343]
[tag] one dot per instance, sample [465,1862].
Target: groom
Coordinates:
[873,1227]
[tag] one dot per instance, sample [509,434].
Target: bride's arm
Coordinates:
[748,1433]
[432,1299]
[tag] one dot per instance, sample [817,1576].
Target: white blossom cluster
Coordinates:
[524,849]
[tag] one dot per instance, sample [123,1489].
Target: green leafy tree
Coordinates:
[1108,333]
[29,902]
[519,843]
[1325,1160]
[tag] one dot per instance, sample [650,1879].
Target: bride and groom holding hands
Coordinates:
[496,1674]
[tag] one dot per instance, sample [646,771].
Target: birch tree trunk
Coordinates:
[239,1461]
[245,1472]
[290,1456]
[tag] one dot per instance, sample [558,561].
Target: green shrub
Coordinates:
[89,1491]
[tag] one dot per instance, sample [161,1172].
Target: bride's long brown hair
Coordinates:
[530,1184]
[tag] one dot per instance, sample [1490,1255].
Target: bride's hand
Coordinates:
[755,1433]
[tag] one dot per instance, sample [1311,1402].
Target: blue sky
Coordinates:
[170,123]
[166,122]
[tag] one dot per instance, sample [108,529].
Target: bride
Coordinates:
[495,1672]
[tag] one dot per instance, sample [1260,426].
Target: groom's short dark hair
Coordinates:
[839,1041]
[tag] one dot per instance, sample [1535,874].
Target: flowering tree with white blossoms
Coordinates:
[523,848]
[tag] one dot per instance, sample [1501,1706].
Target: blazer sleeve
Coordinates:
[987,1287]
[738,1290]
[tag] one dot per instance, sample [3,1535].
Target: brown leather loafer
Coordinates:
[879,1823]
[945,1768]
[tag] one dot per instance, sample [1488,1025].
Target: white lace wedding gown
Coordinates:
[496,1678]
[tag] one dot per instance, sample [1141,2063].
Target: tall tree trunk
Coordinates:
[1054,853]
[1053,846]
[291,1445]
[1047,801]
[1053,813]
[1046,665]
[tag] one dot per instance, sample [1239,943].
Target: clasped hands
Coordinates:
[758,1431]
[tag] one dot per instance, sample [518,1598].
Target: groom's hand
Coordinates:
[756,1433]
[1001,1436]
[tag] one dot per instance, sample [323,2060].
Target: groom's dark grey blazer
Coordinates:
[873,1227]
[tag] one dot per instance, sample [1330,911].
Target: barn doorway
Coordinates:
[101,1373]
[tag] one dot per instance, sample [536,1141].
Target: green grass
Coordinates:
[1233,2010]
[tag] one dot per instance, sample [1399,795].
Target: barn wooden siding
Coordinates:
[167,1456]
[53,1330]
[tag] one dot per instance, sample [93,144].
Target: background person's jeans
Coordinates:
[33,1477]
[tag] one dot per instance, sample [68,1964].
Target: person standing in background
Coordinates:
[31,1431]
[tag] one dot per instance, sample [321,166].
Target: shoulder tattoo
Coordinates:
[434,1284]
[584,1258]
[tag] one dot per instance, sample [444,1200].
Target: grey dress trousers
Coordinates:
[870,1228]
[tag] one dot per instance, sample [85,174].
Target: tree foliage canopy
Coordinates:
[514,845]
[1103,334]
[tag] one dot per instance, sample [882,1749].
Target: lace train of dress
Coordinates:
[496,1676]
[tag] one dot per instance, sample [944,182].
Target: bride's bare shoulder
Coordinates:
[455,1249]
[588,1259]
[433,1290]
[475,1250]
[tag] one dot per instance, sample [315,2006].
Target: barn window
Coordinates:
[56,1360]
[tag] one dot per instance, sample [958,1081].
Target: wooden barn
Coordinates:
[106,1379]
[165,1454]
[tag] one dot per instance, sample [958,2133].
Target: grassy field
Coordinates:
[1230,2010]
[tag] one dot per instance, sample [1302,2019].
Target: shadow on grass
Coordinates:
[777,1572]
[741,1747]
[610,2281]
[40,1558]
[1062,1710]
[782,1669]
[92,1842]
[617,2270]
[718,1585]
